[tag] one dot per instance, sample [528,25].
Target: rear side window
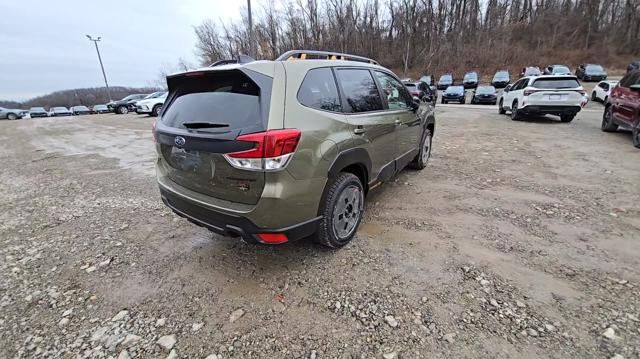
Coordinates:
[360,91]
[556,83]
[318,90]
[630,79]
[230,100]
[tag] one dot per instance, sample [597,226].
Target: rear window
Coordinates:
[454,89]
[444,78]
[471,76]
[230,99]
[486,90]
[502,75]
[360,91]
[594,68]
[557,83]
[318,90]
[560,69]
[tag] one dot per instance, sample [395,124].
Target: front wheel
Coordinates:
[424,153]
[593,96]
[123,110]
[12,116]
[607,121]
[567,118]
[341,211]
[501,110]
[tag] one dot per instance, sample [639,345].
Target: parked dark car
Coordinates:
[530,71]
[470,80]
[633,66]
[622,109]
[445,81]
[420,90]
[127,104]
[561,70]
[501,79]
[59,111]
[38,112]
[485,95]
[100,109]
[80,110]
[591,72]
[453,93]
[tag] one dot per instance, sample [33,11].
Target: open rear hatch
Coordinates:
[203,115]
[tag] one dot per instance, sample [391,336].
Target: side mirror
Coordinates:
[635,87]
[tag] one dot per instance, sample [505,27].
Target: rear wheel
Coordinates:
[514,111]
[567,118]
[501,110]
[123,110]
[422,158]
[636,136]
[593,96]
[607,121]
[341,211]
[156,110]
[12,116]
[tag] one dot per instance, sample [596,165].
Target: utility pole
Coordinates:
[95,42]
[250,30]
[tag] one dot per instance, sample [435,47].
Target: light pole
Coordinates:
[95,42]
[250,30]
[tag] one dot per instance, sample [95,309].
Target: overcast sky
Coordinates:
[43,47]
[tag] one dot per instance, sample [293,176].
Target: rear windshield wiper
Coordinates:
[204,125]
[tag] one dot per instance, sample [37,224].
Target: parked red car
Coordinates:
[622,110]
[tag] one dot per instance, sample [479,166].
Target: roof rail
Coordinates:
[322,55]
[242,59]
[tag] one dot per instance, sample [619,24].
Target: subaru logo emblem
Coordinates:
[179,141]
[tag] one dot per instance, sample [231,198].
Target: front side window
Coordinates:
[397,98]
[360,91]
[318,90]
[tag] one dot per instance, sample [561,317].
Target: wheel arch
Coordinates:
[355,161]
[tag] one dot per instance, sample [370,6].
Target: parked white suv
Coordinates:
[543,95]
[152,106]
[602,90]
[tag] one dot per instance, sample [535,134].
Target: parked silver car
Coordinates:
[10,114]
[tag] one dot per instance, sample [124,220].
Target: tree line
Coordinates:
[418,36]
[76,97]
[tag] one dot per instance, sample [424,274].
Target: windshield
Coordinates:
[81,108]
[446,78]
[154,95]
[36,109]
[486,90]
[532,71]
[60,109]
[501,75]
[455,89]
[426,79]
[100,107]
[556,83]
[130,97]
[471,76]
[559,69]
[594,68]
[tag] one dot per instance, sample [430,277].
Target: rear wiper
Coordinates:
[204,125]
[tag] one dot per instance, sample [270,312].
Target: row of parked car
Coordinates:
[150,104]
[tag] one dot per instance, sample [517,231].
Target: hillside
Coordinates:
[83,96]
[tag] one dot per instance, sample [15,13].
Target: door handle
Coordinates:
[359,130]
[398,122]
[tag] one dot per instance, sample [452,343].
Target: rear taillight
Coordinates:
[530,92]
[271,152]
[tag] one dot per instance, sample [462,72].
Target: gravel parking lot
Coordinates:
[520,240]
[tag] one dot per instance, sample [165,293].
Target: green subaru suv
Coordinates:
[274,151]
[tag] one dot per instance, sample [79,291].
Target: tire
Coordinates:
[593,96]
[443,101]
[122,110]
[156,110]
[607,121]
[501,110]
[606,98]
[567,118]
[424,153]
[635,133]
[334,230]
[12,116]
[462,102]
[514,111]
[493,103]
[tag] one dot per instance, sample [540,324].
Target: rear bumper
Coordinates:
[550,109]
[231,225]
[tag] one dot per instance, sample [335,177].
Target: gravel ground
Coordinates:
[520,240]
